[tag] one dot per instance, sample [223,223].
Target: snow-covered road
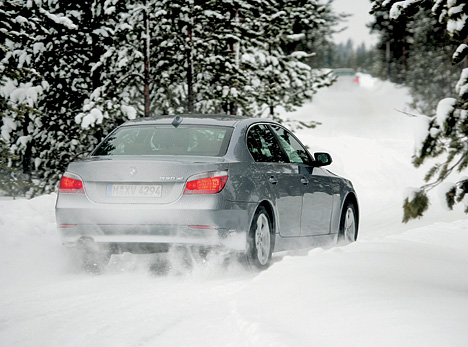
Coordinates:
[404,285]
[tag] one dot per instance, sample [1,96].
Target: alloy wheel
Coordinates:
[349,227]
[262,239]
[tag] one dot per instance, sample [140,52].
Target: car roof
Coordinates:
[192,119]
[344,71]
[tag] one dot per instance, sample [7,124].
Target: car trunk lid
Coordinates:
[127,179]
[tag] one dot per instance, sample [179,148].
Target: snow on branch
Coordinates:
[460,53]
[129,111]
[455,26]
[9,125]
[444,109]
[24,93]
[95,116]
[296,37]
[399,7]
[59,19]
[301,55]
[462,85]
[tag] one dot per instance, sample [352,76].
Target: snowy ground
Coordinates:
[400,284]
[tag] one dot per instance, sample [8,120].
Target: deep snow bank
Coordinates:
[29,243]
[404,290]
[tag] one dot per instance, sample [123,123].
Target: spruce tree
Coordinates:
[393,44]
[431,51]
[57,45]
[212,56]
[20,87]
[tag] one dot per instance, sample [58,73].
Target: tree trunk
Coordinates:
[26,158]
[146,75]
[405,56]
[190,97]
[387,56]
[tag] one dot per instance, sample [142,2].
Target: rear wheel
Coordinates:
[93,258]
[348,224]
[260,240]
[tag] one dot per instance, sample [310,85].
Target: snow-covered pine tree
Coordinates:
[431,50]
[188,57]
[258,61]
[364,58]
[218,32]
[256,47]
[319,40]
[117,70]
[213,56]
[428,48]
[90,63]
[281,77]
[20,87]
[447,137]
[72,45]
[393,45]
[61,48]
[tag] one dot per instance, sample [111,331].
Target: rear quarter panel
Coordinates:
[245,184]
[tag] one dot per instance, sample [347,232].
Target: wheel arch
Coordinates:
[271,212]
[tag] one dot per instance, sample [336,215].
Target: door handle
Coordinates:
[273,180]
[304,181]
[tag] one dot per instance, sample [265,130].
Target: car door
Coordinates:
[282,177]
[317,187]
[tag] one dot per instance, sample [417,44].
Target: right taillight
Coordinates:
[70,185]
[206,185]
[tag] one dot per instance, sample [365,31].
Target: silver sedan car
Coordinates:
[243,184]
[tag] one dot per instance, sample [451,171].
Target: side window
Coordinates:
[263,145]
[254,146]
[294,150]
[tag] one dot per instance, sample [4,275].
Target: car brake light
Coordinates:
[208,185]
[70,185]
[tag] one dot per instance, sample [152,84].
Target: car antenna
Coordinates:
[176,121]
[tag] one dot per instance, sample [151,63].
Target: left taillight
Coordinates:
[71,185]
[206,185]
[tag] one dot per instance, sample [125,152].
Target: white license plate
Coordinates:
[135,190]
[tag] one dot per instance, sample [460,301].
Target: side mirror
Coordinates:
[322,159]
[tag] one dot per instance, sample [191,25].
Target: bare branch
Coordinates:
[429,186]
[411,114]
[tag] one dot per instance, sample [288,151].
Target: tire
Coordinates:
[94,261]
[260,240]
[348,224]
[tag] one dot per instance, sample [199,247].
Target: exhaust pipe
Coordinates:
[86,243]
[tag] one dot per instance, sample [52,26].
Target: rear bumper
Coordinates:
[75,235]
[193,220]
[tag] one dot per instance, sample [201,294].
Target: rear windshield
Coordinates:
[193,140]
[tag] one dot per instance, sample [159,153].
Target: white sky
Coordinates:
[356,24]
